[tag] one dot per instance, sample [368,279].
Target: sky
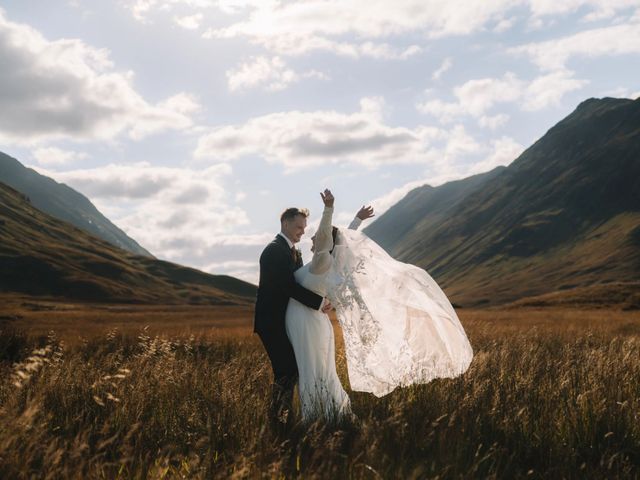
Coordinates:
[192,124]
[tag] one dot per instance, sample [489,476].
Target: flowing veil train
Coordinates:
[399,327]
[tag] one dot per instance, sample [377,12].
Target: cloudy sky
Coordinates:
[193,123]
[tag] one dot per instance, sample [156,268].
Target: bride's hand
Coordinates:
[365,212]
[327,198]
[327,307]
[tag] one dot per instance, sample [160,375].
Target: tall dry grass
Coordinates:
[545,397]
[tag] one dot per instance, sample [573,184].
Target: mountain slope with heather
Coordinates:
[42,255]
[65,203]
[564,215]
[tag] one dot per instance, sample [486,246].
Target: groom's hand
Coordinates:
[327,307]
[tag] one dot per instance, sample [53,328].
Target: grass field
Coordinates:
[551,393]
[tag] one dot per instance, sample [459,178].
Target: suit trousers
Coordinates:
[285,372]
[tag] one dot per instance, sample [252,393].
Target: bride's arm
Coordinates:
[321,260]
[363,214]
[355,224]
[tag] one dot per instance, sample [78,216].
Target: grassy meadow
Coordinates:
[92,392]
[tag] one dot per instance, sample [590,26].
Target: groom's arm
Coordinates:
[276,273]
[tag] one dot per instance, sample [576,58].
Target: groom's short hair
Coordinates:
[291,213]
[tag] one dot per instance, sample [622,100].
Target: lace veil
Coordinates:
[399,327]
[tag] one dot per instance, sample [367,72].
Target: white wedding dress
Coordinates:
[311,335]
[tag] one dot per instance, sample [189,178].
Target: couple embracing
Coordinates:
[399,327]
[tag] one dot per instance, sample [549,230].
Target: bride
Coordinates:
[399,327]
[311,333]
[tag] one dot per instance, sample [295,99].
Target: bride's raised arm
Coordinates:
[363,214]
[323,242]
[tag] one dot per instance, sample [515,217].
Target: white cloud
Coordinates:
[182,106]
[477,97]
[294,28]
[504,151]
[446,112]
[548,90]
[178,214]
[271,73]
[367,19]
[66,89]
[537,23]
[246,270]
[55,157]
[459,143]
[299,27]
[141,9]
[231,264]
[237,6]
[493,122]
[504,25]
[248,240]
[447,63]
[382,51]
[303,139]
[363,27]
[598,9]
[295,46]
[189,22]
[300,140]
[607,41]
[229,254]
[145,181]
[622,92]
[303,26]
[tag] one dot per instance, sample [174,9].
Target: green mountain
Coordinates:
[564,215]
[64,203]
[43,255]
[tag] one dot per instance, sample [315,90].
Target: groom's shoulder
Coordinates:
[273,245]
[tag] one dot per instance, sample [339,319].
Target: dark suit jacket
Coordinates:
[277,284]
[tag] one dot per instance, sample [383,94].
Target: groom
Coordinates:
[277,284]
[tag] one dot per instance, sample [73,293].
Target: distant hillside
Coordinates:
[42,255]
[563,215]
[64,203]
[422,208]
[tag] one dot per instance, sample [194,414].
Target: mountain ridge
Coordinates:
[65,203]
[44,256]
[526,230]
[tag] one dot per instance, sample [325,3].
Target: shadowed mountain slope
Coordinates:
[422,208]
[42,255]
[65,203]
[565,214]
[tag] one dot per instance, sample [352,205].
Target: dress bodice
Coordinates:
[315,282]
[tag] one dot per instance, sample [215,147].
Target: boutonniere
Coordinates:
[298,254]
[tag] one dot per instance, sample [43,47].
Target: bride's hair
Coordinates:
[334,234]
